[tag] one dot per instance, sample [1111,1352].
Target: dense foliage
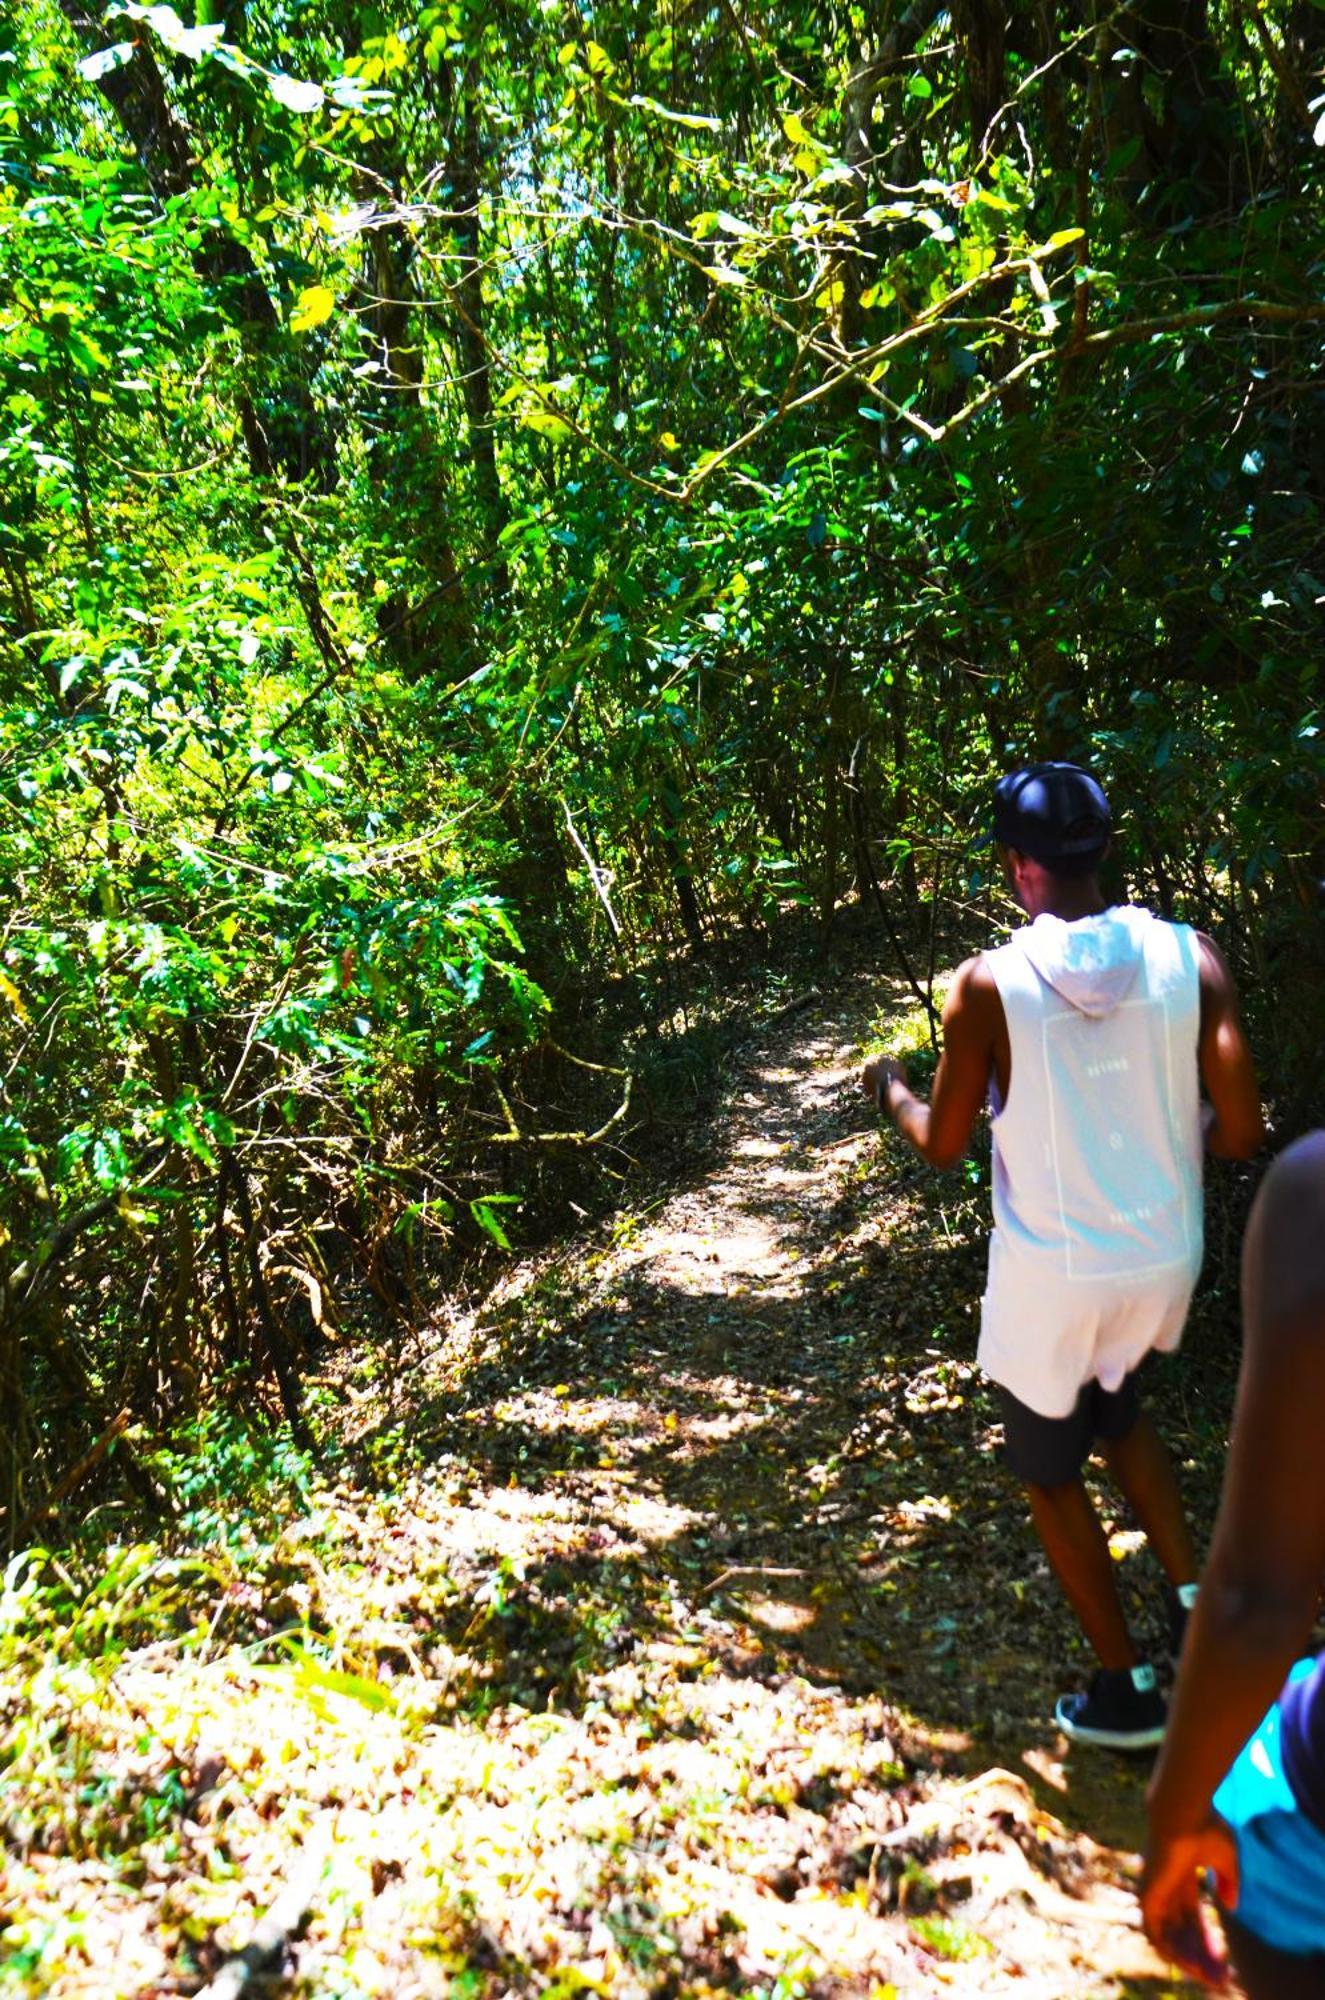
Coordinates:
[492,495]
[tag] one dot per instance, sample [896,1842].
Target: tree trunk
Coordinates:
[471,331]
[282,427]
[432,634]
[981,30]
[891,49]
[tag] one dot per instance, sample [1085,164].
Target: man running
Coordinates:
[1262,1835]
[1091,1032]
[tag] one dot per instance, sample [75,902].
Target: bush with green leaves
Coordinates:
[475,526]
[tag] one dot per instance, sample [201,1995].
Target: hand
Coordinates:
[1171,1907]
[877,1074]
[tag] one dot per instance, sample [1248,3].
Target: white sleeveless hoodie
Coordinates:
[1097,1153]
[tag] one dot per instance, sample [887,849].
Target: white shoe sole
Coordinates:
[1109,1739]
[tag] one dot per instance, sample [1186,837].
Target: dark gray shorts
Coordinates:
[1050,1451]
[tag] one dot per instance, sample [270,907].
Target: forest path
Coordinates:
[679,1637]
[740,1466]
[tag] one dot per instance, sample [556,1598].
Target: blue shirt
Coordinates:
[1302,1734]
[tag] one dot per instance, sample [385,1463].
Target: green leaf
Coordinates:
[110,1162]
[796,131]
[547,423]
[314,305]
[314,1681]
[482,1211]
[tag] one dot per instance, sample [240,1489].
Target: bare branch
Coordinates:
[515,1137]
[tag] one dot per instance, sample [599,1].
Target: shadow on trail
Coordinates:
[812,1474]
[743,1443]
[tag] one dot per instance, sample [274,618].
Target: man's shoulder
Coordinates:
[973,996]
[1214,968]
[978,973]
[1172,926]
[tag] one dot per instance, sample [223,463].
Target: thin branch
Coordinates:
[596,875]
[599,1069]
[751,1569]
[513,1136]
[1059,55]
[26,1277]
[1271,310]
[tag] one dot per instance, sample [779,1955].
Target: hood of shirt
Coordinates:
[1092,962]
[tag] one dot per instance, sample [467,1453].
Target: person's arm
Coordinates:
[1261,1587]
[940,1130]
[1234,1128]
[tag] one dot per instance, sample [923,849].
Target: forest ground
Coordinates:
[668,1627]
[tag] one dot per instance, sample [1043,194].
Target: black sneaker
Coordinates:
[1122,1710]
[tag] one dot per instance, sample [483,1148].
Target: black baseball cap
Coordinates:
[1056,813]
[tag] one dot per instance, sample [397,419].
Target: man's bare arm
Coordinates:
[940,1130]
[1234,1126]
[1262,1584]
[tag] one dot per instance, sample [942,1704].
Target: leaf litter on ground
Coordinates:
[678,1635]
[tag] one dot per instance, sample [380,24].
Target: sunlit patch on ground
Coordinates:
[701,1648]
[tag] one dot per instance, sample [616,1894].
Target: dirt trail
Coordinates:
[681,1639]
[753,1420]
